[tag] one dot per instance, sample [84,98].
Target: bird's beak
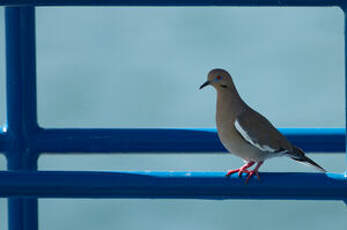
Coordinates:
[205,84]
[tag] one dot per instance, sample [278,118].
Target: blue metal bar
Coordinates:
[191,185]
[5,142]
[21,107]
[169,140]
[345,30]
[164,140]
[171,3]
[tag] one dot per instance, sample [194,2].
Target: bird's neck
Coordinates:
[229,104]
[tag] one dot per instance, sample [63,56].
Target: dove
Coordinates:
[245,132]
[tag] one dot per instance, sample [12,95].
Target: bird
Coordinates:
[246,133]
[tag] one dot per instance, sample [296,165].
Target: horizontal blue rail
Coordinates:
[172,3]
[162,140]
[196,185]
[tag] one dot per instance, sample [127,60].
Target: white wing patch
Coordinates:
[245,135]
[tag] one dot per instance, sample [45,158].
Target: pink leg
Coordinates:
[241,170]
[254,171]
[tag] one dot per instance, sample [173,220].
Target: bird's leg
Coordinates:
[241,170]
[254,171]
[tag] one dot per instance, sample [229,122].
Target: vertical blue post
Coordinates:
[343,7]
[21,107]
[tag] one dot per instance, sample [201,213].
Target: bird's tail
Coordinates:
[300,156]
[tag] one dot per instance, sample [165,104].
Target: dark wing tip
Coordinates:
[299,155]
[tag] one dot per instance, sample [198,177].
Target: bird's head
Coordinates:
[219,79]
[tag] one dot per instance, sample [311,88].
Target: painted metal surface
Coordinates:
[21,108]
[172,3]
[345,29]
[169,140]
[69,141]
[192,185]
[345,25]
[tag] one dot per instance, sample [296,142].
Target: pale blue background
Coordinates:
[141,67]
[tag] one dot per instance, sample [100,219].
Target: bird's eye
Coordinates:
[219,77]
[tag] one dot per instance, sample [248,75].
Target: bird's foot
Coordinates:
[239,171]
[252,173]
[249,173]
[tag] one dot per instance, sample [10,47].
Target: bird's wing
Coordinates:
[259,132]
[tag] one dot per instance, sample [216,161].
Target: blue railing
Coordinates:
[22,140]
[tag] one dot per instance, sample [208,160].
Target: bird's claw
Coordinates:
[243,171]
[240,171]
[244,168]
[252,173]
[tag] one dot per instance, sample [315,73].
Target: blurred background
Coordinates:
[142,66]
